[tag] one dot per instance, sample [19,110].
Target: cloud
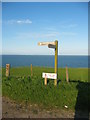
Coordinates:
[34,35]
[25,21]
[42,36]
[50,28]
[68,33]
[69,26]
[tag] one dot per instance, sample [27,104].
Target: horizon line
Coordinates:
[46,55]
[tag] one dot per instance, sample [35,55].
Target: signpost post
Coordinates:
[53,45]
[45,81]
[56,60]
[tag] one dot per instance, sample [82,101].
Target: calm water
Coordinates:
[44,60]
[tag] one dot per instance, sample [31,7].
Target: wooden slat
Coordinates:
[46,43]
[51,46]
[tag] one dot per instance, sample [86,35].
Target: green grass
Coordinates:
[20,86]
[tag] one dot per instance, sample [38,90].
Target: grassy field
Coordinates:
[20,86]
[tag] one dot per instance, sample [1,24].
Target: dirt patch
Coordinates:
[11,109]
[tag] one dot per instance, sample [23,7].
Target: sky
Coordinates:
[24,24]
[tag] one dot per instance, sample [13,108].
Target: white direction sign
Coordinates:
[49,75]
[46,43]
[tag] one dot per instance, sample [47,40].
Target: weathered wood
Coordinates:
[7,70]
[31,70]
[45,80]
[55,46]
[46,43]
[67,79]
[51,46]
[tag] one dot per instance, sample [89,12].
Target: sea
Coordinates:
[45,61]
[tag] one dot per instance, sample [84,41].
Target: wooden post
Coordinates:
[67,79]
[45,80]
[56,61]
[31,70]
[7,70]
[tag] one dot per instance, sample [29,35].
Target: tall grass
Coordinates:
[20,86]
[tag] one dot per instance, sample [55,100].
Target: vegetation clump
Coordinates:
[20,86]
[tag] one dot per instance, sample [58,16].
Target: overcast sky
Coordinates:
[25,24]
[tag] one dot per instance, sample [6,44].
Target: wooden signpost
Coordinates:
[7,70]
[53,45]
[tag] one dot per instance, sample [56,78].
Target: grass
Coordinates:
[20,86]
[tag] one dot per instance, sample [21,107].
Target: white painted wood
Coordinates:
[46,43]
[49,75]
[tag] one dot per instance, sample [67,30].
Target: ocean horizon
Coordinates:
[73,61]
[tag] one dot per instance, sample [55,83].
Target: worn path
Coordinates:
[10,109]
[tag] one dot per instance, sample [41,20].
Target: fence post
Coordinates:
[31,70]
[7,70]
[67,79]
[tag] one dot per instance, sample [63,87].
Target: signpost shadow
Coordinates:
[82,101]
[58,81]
